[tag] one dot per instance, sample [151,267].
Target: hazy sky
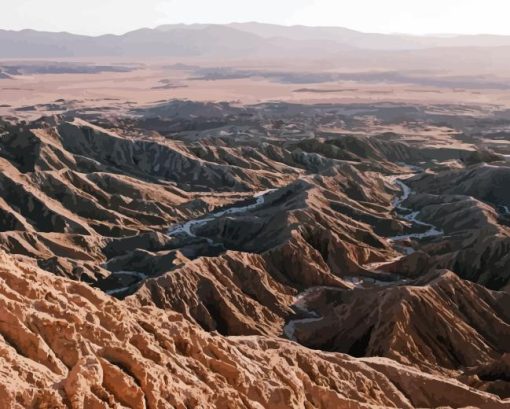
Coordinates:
[119,16]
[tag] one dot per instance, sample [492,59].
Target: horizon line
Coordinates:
[433,35]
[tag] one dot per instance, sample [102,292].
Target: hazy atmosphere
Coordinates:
[118,16]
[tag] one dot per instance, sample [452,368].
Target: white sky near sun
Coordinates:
[389,16]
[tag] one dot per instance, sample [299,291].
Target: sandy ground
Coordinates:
[144,86]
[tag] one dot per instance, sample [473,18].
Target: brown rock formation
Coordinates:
[63,344]
[432,323]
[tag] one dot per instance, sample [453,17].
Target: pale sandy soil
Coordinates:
[140,87]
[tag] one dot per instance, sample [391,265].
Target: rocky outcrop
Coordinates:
[485,182]
[300,237]
[234,294]
[476,236]
[431,323]
[217,236]
[63,344]
[160,160]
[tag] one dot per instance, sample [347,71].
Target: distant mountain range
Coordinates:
[231,40]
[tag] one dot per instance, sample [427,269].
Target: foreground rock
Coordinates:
[64,344]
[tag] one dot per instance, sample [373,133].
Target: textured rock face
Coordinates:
[233,294]
[217,246]
[468,206]
[63,344]
[163,161]
[485,182]
[430,323]
[76,187]
[301,237]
